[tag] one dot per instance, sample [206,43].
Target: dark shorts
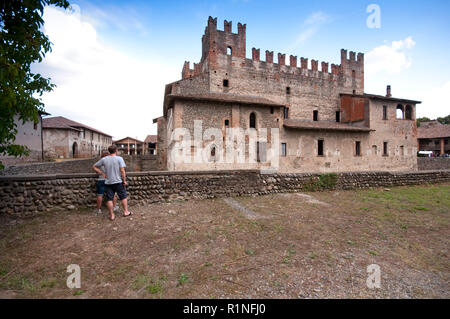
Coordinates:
[118,188]
[100,187]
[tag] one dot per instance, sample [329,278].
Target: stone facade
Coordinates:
[64,138]
[29,134]
[28,195]
[307,105]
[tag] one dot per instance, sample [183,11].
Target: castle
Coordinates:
[294,115]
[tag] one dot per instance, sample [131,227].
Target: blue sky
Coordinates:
[111,59]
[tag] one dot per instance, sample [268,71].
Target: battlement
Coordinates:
[221,48]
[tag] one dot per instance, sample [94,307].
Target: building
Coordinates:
[151,142]
[434,136]
[29,134]
[305,119]
[129,146]
[64,138]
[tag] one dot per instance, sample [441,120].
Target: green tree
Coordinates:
[422,119]
[444,120]
[22,43]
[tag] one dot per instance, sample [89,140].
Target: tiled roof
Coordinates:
[433,129]
[322,125]
[225,97]
[130,138]
[151,139]
[382,97]
[63,123]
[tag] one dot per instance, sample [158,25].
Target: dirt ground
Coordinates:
[308,245]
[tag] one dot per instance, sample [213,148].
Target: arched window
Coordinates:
[408,112]
[229,50]
[252,120]
[399,112]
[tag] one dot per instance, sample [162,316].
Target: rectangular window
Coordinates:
[338,116]
[385,148]
[225,83]
[315,115]
[288,90]
[227,122]
[402,151]
[286,112]
[384,112]
[35,126]
[283,149]
[358,148]
[320,148]
[271,110]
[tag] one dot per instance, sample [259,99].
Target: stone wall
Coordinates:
[27,195]
[134,164]
[433,163]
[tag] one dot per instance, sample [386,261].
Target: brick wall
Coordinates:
[433,163]
[27,195]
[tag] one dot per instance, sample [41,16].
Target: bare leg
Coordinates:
[99,201]
[126,212]
[109,204]
[115,201]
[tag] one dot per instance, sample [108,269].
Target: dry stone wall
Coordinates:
[28,195]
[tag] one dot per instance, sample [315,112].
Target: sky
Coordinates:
[111,59]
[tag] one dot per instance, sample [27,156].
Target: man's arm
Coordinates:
[99,171]
[124,177]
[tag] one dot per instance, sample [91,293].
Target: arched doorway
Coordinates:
[74,150]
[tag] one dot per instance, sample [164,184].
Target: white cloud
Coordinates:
[435,102]
[97,84]
[391,58]
[310,26]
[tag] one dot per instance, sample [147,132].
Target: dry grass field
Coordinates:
[292,245]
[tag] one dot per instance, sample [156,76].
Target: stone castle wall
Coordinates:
[32,194]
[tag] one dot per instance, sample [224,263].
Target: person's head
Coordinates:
[112,149]
[105,153]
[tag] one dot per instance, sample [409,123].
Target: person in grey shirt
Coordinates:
[100,187]
[115,180]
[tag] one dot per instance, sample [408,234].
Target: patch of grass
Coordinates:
[250,252]
[140,282]
[323,182]
[154,288]
[207,264]
[182,279]
[78,292]
[372,252]
[47,283]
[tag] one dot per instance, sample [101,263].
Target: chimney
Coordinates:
[388,91]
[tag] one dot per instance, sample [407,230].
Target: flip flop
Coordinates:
[128,214]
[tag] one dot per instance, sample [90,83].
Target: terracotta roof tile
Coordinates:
[151,139]
[433,129]
[64,123]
